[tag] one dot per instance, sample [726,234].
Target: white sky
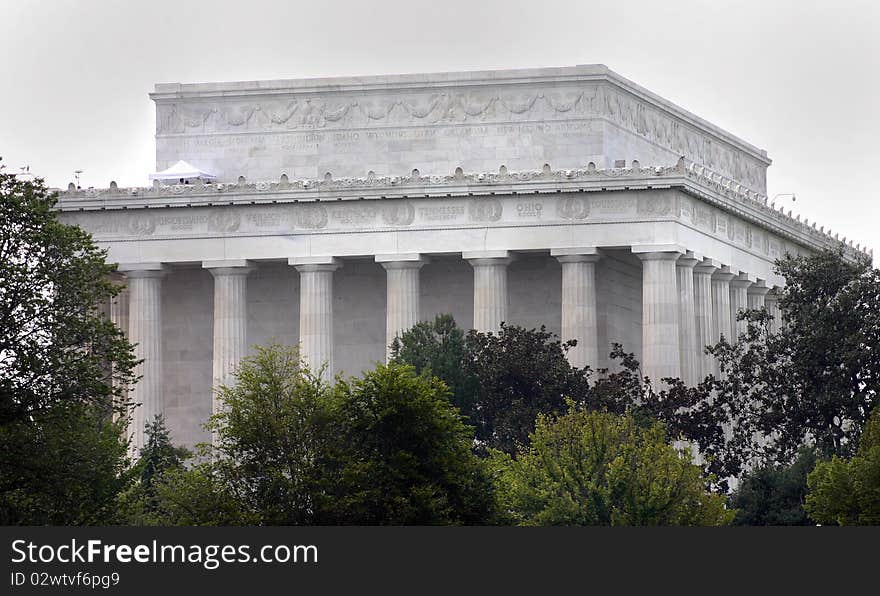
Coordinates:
[800,79]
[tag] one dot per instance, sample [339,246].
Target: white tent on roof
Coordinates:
[181,170]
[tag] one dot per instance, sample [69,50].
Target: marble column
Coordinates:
[721,303]
[771,302]
[402,294]
[490,288]
[757,292]
[230,321]
[316,311]
[579,304]
[739,292]
[119,306]
[687,328]
[661,355]
[707,332]
[145,332]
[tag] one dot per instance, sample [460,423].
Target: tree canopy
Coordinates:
[64,367]
[597,468]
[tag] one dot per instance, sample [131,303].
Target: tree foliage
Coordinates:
[811,383]
[141,503]
[847,492]
[273,438]
[437,348]
[501,381]
[405,456]
[597,468]
[773,494]
[384,448]
[65,467]
[64,367]
[55,344]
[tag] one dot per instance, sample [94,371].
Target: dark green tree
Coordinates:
[520,373]
[273,439]
[64,467]
[55,342]
[500,381]
[140,503]
[773,494]
[598,468]
[847,492]
[437,348]
[64,367]
[403,454]
[813,382]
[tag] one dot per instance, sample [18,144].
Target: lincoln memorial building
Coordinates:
[335,213]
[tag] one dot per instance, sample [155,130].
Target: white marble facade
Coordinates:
[346,210]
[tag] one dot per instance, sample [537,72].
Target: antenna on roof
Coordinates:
[76,174]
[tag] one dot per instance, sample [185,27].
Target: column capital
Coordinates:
[689,259]
[707,265]
[576,255]
[725,273]
[741,281]
[143,270]
[576,250]
[321,263]
[229,267]
[402,261]
[488,257]
[654,252]
[759,288]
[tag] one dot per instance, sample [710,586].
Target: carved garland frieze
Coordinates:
[453,107]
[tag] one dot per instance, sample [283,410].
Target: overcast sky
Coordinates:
[800,79]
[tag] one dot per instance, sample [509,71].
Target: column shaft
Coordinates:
[721,304]
[771,302]
[402,295]
[490,290]
[739,288]
[230,322]
[145,332]
[706,331]
[756,296]
[687,335]
[579,308]
[316,315]
[661,356]
[119,309]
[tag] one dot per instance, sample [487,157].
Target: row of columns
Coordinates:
[687,303]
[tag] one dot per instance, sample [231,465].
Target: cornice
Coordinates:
[691,178]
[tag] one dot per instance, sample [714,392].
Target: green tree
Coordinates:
[55,342]
[273,439]
[773,494]
[404,454]
[814,382]
[187,496]
[847,492]
[500,381]
[64,366]
[140,503]
[437,348]
[598,468]
[520,373]
[64,467]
